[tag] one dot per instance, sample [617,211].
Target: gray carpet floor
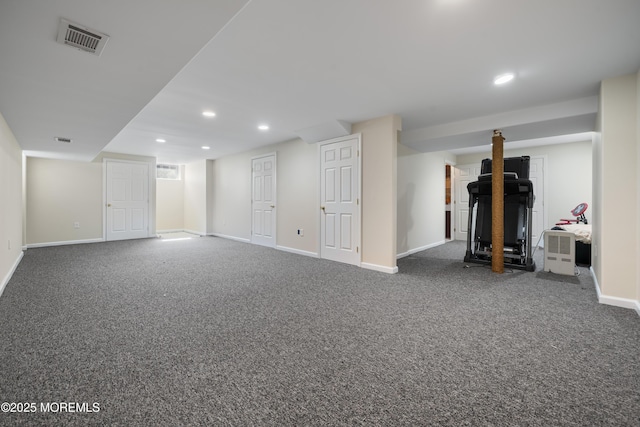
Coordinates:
[210,331]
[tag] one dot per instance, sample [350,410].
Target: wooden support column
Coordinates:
[497,203]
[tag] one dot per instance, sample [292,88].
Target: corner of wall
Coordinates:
[12,206]
[638,188]
[618,128]
[379,189]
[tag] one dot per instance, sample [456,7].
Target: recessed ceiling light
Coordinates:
[161,140]
[503,78]
[263,127]
[205,147]
[208,113]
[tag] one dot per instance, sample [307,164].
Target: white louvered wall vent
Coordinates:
[81,37]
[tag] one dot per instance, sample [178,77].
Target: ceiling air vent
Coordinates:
[65,140]
[81,37]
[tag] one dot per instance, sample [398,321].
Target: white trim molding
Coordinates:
[224,236]
[63,243]
[420,249]
[615,301]
[199,233]
[173,230]
[380,268]
[12,270]
[298,251]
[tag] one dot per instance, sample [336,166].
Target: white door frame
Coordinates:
[545,188]
[457,207]
[275,196]
[358,227]
[452,224]
[151,196]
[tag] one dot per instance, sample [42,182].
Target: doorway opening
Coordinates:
[447,202]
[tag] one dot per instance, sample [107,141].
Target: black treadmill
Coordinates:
[518,207]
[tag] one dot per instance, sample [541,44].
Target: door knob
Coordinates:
[108,205]
[322,207]
[273,206]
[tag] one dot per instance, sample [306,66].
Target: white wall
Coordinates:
[231,214]
[298,204]
[568,174]
[60,193]
[617,191]
[421,199]
[170,203]
[11,219]
[637,299]
[380,138]
[195,197]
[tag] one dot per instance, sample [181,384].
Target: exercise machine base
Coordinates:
[510,261]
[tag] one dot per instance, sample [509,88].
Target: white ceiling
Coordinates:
[302,64]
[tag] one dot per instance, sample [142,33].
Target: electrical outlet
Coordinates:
[76,224]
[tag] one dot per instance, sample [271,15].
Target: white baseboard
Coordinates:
[620,302]
[199,233]
[12,270]
[615,301]
[280,248]
[298,251]
[368,266]
[176,230]
[420,249]
[224,236]
[380,268]
[66,242]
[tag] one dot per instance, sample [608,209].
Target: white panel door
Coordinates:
[340,200]
[536,175]
[127,200]
[464,174]
[263,201]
